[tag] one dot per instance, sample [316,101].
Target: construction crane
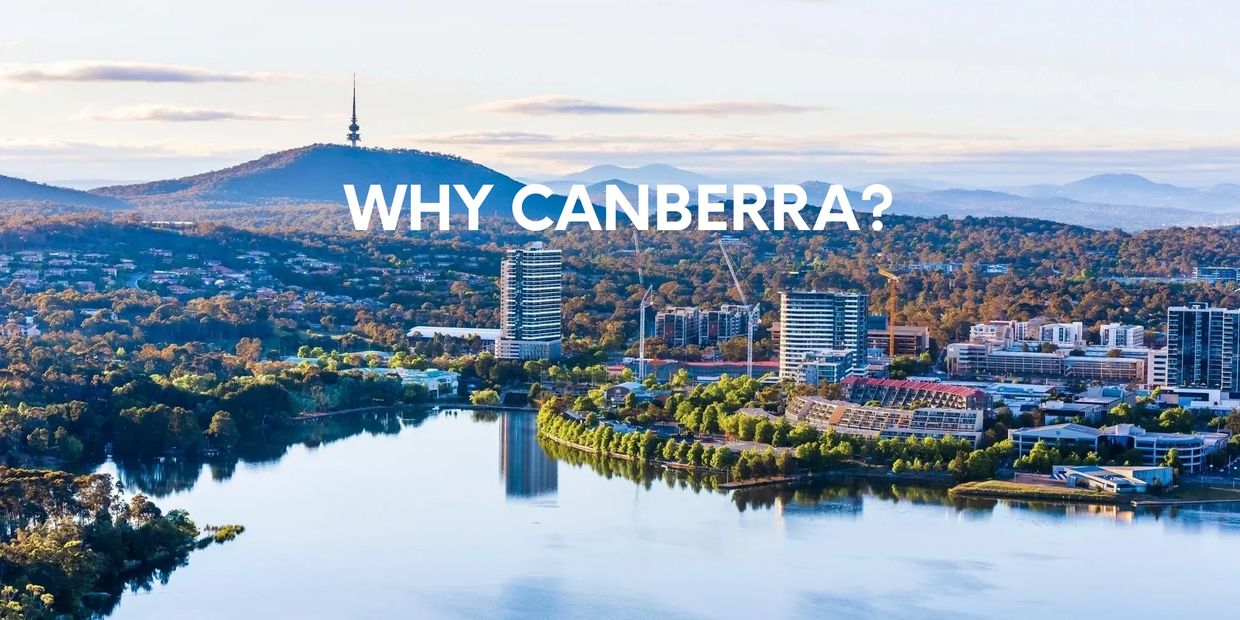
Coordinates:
[641,311]
[641,334]
[637,255]
[893,280]
[750,311]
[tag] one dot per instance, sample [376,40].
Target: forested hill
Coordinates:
[316,174]
[20,192]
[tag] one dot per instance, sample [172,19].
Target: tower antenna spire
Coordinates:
[353,136]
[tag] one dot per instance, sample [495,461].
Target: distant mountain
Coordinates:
[598,191]
[15,191]
[653,174]
[958,203]
[1134,189]
[915,185]
[89,184]
[1227,189]
[961,203]
[317,173]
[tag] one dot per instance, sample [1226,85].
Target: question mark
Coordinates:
[878,188]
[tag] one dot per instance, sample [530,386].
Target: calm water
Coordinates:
[464,515]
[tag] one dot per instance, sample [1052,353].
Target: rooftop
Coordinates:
[430,331]
[905,384]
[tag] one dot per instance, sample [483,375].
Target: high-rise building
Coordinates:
[715,326]
[1119,336]
[1203,347]
[812,322]
[531,292]
[677,326]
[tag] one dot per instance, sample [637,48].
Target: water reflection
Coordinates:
[417,517]
[526,469]
[163,476]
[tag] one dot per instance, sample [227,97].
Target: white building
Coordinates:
[1193,448]
[1118,336]
[438,383]
[815,321]
[1066,334]
[1156,367]
[1114,478]
[531,295]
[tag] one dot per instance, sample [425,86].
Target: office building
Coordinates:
[910,341]
[1117,336]
[1203,347]
[531,295]
[829,366]
[1022,360]
[1006,332]
[1193,448]
[815,321]
[1063,334]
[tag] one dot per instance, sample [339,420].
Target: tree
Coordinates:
[681,378]
[1175,420]
[249,349]
[958,467]
[223,431]
[981,465]
[1172,460]
[487,397]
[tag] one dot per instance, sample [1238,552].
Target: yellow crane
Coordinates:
[893,280]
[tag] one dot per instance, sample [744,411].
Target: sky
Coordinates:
[978,94]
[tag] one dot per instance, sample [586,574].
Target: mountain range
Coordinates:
[1133,189]
[314,175]
[15,191]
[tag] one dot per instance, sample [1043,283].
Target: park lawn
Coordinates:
[1019,490]
[1197,492]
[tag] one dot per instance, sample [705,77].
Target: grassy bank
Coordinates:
[1017,490]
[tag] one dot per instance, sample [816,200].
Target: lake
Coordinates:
[465,514]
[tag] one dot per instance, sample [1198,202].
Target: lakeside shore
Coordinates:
[1185,495]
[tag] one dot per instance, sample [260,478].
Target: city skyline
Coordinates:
[970,95]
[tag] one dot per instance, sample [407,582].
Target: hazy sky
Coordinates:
[978,93]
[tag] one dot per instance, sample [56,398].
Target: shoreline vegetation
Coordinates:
[74,544]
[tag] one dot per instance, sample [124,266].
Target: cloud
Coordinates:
[48,159]
[118,71]
[179,114]
[546,105]
[58,150]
